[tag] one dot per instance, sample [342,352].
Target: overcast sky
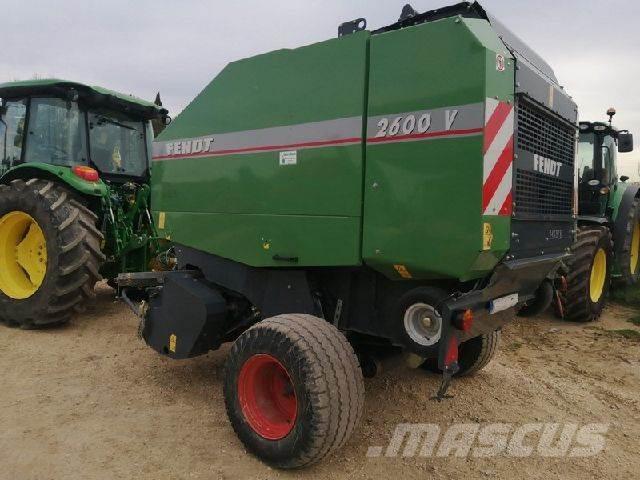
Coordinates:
[177,47]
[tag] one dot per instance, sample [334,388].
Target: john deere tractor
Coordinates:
[608,238]
[74,195]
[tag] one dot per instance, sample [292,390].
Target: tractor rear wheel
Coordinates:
[589,275]
[293,390]
[629,252]
[49,254]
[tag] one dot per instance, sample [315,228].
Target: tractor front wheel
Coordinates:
[589,275]
[49,254]
[293,390]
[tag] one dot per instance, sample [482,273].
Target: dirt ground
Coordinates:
[91,401]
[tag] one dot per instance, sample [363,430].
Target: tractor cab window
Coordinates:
[586,151]
[12,126]
[117,144]
[609,149]
[57,133]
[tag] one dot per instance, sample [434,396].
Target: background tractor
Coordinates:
[74,195]
[608,237]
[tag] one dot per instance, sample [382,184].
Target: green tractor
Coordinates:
[74,195]
[608,237]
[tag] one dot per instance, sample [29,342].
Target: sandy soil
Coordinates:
[91,401]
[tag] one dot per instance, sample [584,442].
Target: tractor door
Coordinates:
[596,172]
[12,124]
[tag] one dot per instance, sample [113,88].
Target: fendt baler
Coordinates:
[404,189]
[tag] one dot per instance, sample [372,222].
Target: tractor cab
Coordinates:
[93,131]
[599,143]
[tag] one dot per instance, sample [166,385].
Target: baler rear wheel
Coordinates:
[589,275]
[49,254]
[293,390]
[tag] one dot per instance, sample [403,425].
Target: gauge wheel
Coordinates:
[49,254]
[473,355]
[293,390]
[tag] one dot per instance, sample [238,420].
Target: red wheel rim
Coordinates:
[267,397]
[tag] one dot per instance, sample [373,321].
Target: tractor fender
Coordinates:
[58,174]
[621,212]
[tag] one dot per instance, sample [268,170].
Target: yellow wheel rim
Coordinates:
[598,275]
[635,249]
[23,255]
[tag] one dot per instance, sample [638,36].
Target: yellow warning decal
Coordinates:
[172,343]
[402,271]
[487,236]
[162,217]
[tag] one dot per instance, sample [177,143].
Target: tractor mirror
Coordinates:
[625,142]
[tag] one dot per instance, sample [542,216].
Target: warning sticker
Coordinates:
[487,236]
[289,158]
[402,271]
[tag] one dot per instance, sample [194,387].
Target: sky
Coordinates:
[176,47]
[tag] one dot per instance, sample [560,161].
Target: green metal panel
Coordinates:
[423,198]
[254,239]
[236,196]
[616,198]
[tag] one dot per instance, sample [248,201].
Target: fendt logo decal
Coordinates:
[186,147]
[498,158]
[546,165]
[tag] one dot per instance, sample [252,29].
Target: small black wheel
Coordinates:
[473,355]
[589,275]
[539,304]
[293,390]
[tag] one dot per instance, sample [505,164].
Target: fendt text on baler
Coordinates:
[369,194]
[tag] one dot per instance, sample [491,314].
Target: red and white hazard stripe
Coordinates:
[498,158]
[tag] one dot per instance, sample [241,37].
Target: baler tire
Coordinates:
[541,302]
[473,355]
[576,301]
[74,257]
[476,353]
[325,376]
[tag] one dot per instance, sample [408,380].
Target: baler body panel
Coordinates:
[267,162]
[393,149]
[424,187]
